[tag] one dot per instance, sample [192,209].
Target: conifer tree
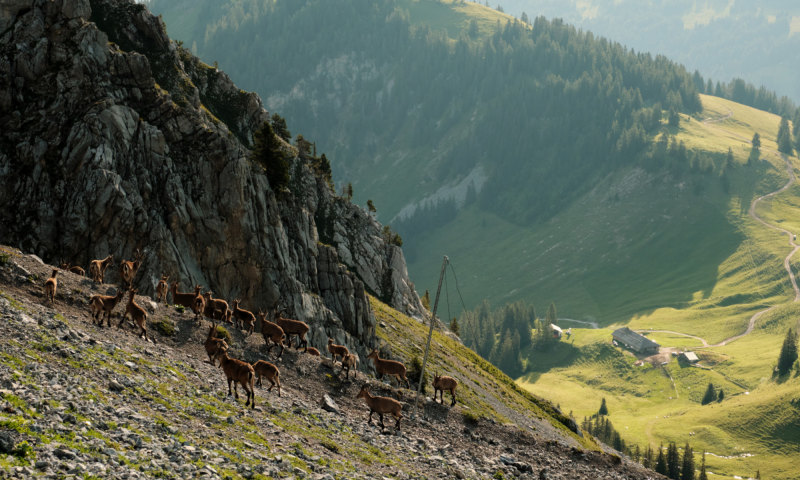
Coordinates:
[349,191]
[758,474]
[756,140]
[784,137]
[603,408]
[552,316]
[703,474]
[788,353]
[426,300]
[674,117]
[729,159]
[661,461]
[454,327]
[687,469]
[280,128]
[371,207]
[673,462]
[710,87]
[267,153]
[710,395]
[721,395]
[648,461]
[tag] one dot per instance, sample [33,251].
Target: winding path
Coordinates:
[752,212]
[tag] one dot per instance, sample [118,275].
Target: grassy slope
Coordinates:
[658,256]
[748,267]
[484,391]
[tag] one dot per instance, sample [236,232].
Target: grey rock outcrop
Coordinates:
[114,138]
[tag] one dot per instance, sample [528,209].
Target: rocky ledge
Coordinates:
[115,138]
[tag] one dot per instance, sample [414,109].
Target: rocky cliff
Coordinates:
[115,138]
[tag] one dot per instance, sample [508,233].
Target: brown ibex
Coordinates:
[292,327]
[337,350]
[237,371]
[273,334]
[75,270]
[136,312]
[162,289]
[349,362]
[245,318]
[128,269]
[98,268]
[105,304]
[199,307]
[50,286]
[213,344]
[184,299]
[270,371]
[381,405]
[440,384]
[389,367]
[216,308]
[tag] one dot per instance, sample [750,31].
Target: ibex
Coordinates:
[381,405]
[440,384]
[185,299]
[213,344]
[389,367]
[98,268]
[127,269]
[162,289]
[136,312]
[105,304]
[245,318]
[50,286]
[75,270]
[292,327]
[337,350]
[237,371]
[271,332]
[216,308]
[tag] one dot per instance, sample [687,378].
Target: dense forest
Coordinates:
[400,86]
[755,39]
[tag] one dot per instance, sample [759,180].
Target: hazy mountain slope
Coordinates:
[403,110]
[754,40]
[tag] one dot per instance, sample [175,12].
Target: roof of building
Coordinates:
[556,328]
[633,339]
[691,356]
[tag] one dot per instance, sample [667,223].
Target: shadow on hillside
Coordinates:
[561,355]
[666,270]
[746,191]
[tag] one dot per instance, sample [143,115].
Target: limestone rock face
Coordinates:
[114,138]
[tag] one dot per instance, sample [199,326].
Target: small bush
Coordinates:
[4,258]
[330,445]
[165,327]
[471,417]
[180,308]
[23,450]
[414,371]
[222,333]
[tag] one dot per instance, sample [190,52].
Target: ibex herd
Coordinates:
[277,331]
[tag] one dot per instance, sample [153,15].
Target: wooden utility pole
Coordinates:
[430,334]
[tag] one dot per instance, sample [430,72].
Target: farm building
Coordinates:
[636,342]
[690,357]
[557,332]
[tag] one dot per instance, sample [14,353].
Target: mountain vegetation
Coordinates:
[581,96]
[756,40]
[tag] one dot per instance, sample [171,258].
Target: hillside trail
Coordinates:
[752,212]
